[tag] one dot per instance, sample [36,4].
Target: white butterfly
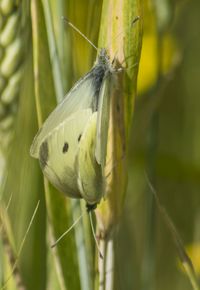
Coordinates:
[71,145]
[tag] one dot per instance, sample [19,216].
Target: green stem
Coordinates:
[148,272]
[101,265]
[106,265]
[86,283]
[109,261]
[148,267]
[56,69]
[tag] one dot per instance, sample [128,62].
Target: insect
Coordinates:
[71,144]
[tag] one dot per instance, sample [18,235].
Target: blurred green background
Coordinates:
[164,143]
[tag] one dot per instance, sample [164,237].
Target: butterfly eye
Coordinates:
[65,147]
[79,137]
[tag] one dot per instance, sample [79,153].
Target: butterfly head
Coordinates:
[103,60]
[103,56]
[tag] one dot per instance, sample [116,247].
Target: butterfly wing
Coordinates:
[103,121]
[90,179]
[79,97]
[58,151]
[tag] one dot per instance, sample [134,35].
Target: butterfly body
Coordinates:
[71,144]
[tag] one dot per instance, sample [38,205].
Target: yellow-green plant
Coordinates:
[33,213]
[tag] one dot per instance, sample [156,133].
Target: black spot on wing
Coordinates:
[65,147]
[43,154]
[79,137]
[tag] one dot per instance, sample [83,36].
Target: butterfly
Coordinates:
[72,143]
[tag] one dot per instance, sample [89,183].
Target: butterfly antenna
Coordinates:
[68,230]
[93,233]
[77,30]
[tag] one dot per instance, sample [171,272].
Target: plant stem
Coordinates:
[101,265]
[109,265]
[106,265]
[56,69]
[84,272]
